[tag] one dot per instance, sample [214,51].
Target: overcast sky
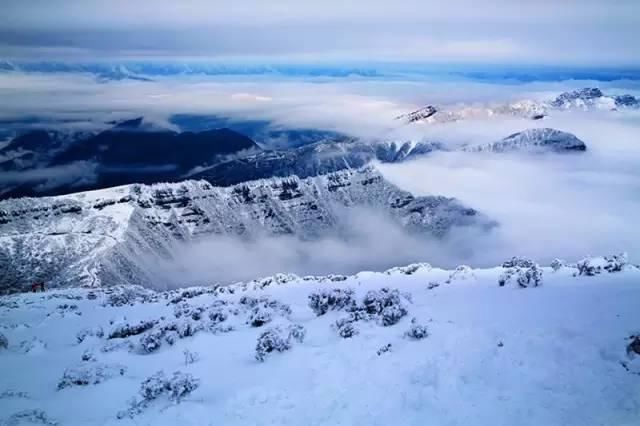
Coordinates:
[574,32]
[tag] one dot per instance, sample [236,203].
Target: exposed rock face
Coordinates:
[534,140]
[98,237]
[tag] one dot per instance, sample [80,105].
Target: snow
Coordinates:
[468,351]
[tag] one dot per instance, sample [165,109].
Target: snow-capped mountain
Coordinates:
[533,140]
[312,160]
[517,344]
[582,99]
[98,237]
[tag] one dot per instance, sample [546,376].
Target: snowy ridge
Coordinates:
[96,237]
[532,140]
[397,347]
[583,99]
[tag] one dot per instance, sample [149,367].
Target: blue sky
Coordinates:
[595,33]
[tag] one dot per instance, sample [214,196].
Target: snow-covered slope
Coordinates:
[533,140]
[98,237]
[404,347]
[582,99]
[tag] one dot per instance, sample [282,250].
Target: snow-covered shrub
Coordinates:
[14,394]
[297,332]
[324,300]
[346,329]
[151,341]
[387,304]
[29,417]
[595,265]
[274,339]
[4,342]
[278,339]
[409,269]
[218,312]
[178,386]
[89,331]
[384,349]
[416,331]
[524,276]
[88,355]
[259,316]
[221,329]
[186,310]
[190,357]
[557,264]
[432,285]
[89,374]
[633,348]
[33,345]
[462,272]
[122,331]
[518,262]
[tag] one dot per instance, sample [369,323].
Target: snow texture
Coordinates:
[470,352]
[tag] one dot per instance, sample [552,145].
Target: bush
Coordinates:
[190,357]
[462,272]
[386,304]
[595,265]
[278,339]
[175,388]
[90,331]
[4,342]
[151,341]
[89,374]
[259,316]
[323,301]
[416,331]
[384,349]
[346,329]
[524,276]
[122,331]
[32,416]
[557,264]
[518,262]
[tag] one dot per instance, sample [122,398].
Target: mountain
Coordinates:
[101,236]
[311,160]
[533,140]
[593,98]
[40,163]
[582,99]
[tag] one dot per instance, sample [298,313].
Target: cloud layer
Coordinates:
[570,32]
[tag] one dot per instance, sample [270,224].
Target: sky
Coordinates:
[570,32]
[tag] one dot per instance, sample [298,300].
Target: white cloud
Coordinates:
[546,31]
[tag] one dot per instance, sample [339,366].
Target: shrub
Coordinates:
[416,331]
[518,262]
[595,265]
[324,300]
[89,374]
[278,340]
[190,357]
[4,342]
[346,329]
[557,264]
[524,276]
[90,331]
[384,349]
[122,331]
[386,304]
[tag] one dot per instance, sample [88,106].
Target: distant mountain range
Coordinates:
[43,162]
[582,99]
